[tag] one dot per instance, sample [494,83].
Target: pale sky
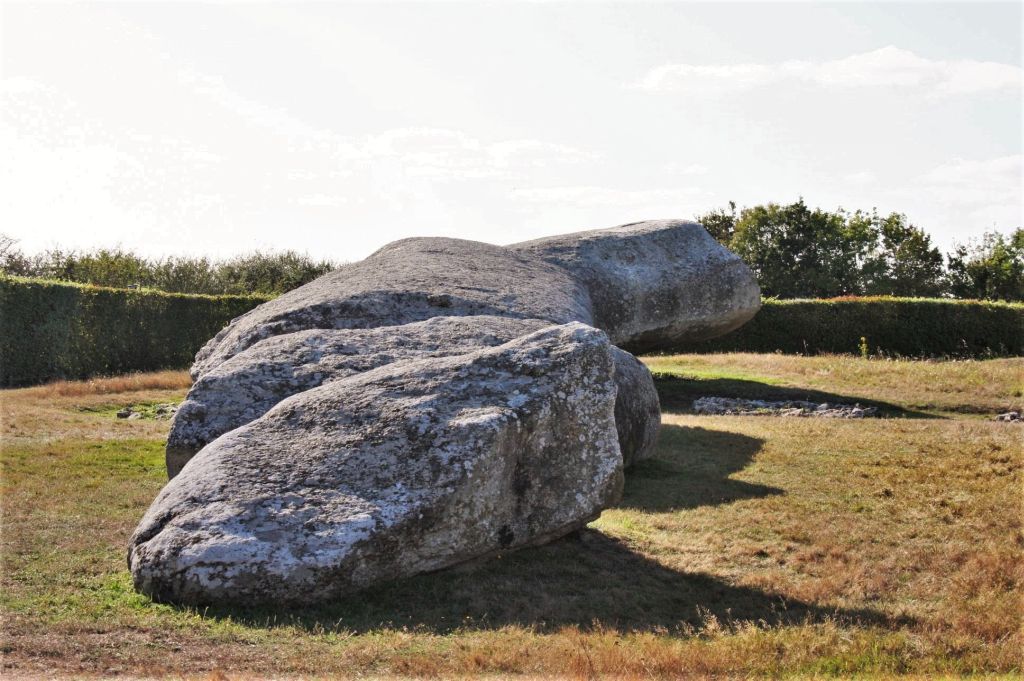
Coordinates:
[336,128]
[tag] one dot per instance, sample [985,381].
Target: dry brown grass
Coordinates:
[80,409]
[749,546]
[157,380]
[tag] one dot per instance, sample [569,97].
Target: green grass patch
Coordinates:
[146,410]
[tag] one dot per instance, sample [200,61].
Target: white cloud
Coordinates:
[1000,173]
[957,199]
[977,185]
[450,154]
[607,196]
[321,200]
[434,153]
[20,84]
[201,156]
[692,78]
[535,154]
[249,111]
[676,168]
[425,152]
[69,187]
[64,165]
[888,67]
[863,177]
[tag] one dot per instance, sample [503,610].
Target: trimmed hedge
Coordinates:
[52,330]
[907,327]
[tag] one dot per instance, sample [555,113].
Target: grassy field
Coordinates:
[749,546]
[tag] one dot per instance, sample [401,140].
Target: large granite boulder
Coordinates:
[655,284]
[414,466]
[436,402]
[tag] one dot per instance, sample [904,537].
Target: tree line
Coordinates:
[796,252]
[799,252]
[257,272]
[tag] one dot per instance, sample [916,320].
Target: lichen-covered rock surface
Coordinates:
[437,402]
[245,386]
[410,467]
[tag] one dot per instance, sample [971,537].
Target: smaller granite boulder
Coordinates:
[637,408]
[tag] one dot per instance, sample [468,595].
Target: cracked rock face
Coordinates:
[411,467]
[437,402]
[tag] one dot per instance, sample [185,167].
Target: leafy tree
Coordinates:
[7,244]
[992,268]
[186,275]
[903,262]
[720,224]
[797,252]
[12,260]
[104,267]
[268,273]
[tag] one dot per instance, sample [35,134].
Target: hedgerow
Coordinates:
[907,327]
[57,330]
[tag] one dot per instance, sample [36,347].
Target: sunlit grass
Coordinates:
[938,387]
[749,545]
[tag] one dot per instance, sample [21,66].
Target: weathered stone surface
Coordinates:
[410,467]
[246,385]
[637,408]
[654,284]
[249,384]
[409,281]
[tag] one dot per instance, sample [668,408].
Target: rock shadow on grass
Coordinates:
[677,394]
[588,580]
[692,469]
